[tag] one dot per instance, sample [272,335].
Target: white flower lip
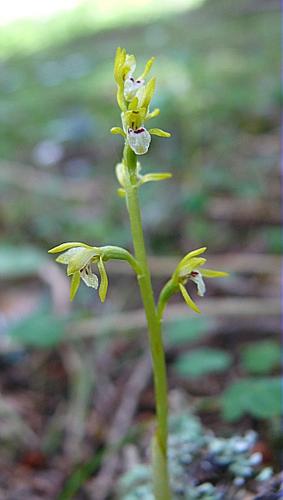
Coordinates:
[197,278]
[139,140]
[88,277]
[131,86]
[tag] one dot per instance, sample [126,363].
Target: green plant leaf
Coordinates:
[202,361]
[41,329]
[261,358]
[261,398]
[184,330]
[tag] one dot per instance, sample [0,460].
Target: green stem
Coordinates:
[160,472]
[113,252]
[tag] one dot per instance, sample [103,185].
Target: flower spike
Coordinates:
[134,97]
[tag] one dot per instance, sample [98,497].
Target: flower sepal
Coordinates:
[117,131]
[134,97]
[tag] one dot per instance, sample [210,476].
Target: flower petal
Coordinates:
[196,277]
[117,130]
[65,257]
[133,104]
[211,273]
[133,119]
[188,299]
[189,256]
[155,177]
[147,68]
[82,257]
[159,132]
[153,114]
[75,283]
[118,64]
[66,246]
[194,253]
[103,281]
[185,268]
[148,93]
[130,64]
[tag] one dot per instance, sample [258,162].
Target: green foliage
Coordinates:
[185,330]
[20,261]
[261,398]
[42,330]
[86,18]
[230,91]
[202,361]
[262,357]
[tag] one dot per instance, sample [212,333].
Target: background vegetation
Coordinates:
[65,374]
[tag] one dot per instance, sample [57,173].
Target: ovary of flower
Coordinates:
[141,179]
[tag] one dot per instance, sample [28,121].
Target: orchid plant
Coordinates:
[134,96]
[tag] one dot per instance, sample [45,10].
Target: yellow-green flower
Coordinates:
[124,68]
[134,97]
[124,64]
[79,259]
[189,269]
[137,135]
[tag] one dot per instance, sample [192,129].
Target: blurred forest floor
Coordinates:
[74,382]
